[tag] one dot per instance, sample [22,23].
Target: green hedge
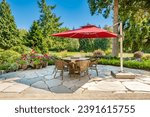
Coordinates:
[127,63]
[8,60]
[9,56]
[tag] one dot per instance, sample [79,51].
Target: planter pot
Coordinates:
[38,66]
[24,67]
[44,64]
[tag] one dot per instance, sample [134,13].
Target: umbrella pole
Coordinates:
[121,48]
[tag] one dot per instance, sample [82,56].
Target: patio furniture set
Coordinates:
[75,66]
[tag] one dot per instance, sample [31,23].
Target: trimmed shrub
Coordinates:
[13,67]
[1,50]
[138,54]
[9,56]
[21,49]
[128,63]
[109,62]
[108,52]
[147,57]
[98,53]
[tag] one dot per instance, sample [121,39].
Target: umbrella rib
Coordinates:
[73,35]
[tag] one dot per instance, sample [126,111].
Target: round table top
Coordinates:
[75,58]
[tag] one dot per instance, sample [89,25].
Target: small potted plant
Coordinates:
[23,64]
[45,60]
[37,63]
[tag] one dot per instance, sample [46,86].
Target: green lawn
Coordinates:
[82,54]
[65,53]
[131,54]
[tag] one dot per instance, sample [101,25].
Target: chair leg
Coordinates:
[96,71]
[54,70]
[62,74]
[55,74]
[79,76]
[88,73]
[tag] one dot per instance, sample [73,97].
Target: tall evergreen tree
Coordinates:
[48,21]
[35,38]
[40,31]
[8,29]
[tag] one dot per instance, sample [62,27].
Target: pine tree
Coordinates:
[35,38]
[48,20]
[8,29]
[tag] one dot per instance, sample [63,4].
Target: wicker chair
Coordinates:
[93,65]
[60,65]
[82,67]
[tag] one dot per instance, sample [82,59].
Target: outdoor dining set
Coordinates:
[75,66]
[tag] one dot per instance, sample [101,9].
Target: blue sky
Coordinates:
[74,13]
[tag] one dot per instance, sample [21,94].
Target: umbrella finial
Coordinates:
[88,26]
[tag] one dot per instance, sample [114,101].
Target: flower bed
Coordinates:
[34,60]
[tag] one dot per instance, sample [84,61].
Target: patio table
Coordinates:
[72,62]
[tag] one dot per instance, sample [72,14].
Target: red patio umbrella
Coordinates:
[89,31]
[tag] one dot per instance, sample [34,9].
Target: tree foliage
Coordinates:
[104,8]
[35,38]
[136,25]
[48,22]
[135,17]
[8,30]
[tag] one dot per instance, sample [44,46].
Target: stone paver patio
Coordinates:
[40,84]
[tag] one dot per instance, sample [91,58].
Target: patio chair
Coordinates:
[62,66]
[82,67]
[93,65]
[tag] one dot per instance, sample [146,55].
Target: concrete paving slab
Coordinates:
[32,90]
[136,86]
[16,88]
[108,86]
[53,82]
[40,85]
[30,74]
[29,81]
[87,85]
[49,77]
[70,83]
[5,85]
[60,89]
[79,91]
[12,79]
[96,79]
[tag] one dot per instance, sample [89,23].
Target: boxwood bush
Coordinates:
[9,56]
[8,60]
[21,49]
[145,64]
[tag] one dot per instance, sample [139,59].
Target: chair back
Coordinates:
[59,64]
[93,62]
[82,65]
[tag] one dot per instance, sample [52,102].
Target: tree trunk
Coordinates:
[115,30]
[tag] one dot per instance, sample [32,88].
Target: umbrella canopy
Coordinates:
[89,31]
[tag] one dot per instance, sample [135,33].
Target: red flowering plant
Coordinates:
[46,58]
[24,61]
[35,58]
[38,59]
